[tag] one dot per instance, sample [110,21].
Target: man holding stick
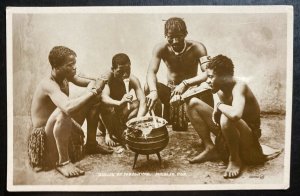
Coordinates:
[118,105]
[182,58]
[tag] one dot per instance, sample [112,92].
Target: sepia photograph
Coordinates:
[149,98]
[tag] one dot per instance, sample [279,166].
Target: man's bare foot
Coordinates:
[69,170]
[98,149]
[109,141]
[208,154]
[233,170]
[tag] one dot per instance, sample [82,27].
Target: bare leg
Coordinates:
[91,113]
[107,115]
[200,115]
[92,123]
[232,137]
[58,130]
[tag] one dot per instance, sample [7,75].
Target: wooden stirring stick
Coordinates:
[154,119]
[126,82]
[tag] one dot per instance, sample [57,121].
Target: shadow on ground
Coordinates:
[117,168]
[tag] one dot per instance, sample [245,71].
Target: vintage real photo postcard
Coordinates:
[149,98]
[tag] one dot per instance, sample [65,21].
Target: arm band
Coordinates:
[204,59]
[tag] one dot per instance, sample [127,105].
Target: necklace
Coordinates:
[178,53]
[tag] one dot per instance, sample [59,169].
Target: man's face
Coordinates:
[176,39]
[68,67]
[213,80]
[122,71]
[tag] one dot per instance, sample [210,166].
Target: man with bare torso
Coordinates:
[56,117]
[182,58]
[235,120]
[118,106]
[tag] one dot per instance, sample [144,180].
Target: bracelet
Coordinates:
[185,83]
[94,91]
[218,104]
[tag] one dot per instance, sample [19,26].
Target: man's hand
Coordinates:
[151,99]
[99,85]
[216,115]
[176,100]
[179,89]
[126,98]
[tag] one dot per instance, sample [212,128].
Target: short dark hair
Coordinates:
[58,55]
[221,65]
[176,24]
[120,59]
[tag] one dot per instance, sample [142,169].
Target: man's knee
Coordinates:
[135,104]
[194,102]
[225,123]
[63,124]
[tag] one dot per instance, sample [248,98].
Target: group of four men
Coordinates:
[56,117]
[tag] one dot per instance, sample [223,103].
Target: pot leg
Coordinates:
[159,158]
[135,159]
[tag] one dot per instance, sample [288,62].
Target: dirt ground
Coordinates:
[117,168]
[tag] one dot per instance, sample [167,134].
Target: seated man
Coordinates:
[182,58]
[235,120]
[118,105]
[56,117]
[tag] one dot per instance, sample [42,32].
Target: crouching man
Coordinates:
[117,104]
[235,120]
[56,118]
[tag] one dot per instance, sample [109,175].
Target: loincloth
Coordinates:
[37,148]
[38,152]
[251,156]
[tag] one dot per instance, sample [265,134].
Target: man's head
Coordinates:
[63,60]
[219,70]
[121,66]
[175,32]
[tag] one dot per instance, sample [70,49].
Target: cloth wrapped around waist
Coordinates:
[38,152]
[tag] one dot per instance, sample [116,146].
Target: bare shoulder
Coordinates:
[240,87]
[160,48]
[198,47]
[134,79]
[47,85]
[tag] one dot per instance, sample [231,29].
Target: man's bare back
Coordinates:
[42,105]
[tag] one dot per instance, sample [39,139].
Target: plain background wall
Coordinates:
[255,42]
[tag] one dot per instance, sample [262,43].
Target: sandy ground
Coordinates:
[117,168]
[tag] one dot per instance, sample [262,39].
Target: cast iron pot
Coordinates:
[152,143]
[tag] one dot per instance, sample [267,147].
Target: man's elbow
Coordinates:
[236,117]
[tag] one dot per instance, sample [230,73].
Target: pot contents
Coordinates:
[146,126]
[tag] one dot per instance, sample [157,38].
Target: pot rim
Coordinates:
[145,118]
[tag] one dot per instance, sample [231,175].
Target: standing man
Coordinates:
[182,58]
[118,106]
[56,117]
[235,120]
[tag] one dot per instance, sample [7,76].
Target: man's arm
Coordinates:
[105,97]
[151,76]
[153,68]
[140,96]
[235,111]
[202,55]
[81,81]
[63,102]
